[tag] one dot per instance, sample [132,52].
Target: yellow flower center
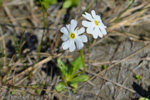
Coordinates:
[96,22]
[72,35]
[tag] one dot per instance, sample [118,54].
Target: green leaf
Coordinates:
[52,2]
[67,4]
[74,85]
[70,3]
[75,2]
[81,78]
[74,90]
[45,4]
[76,64]
[143,98]
[62,67]
[60,86]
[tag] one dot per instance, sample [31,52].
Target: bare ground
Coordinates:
[125,51]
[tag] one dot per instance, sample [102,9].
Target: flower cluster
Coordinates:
[72,35]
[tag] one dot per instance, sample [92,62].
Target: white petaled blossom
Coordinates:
[72,35]
[95,25]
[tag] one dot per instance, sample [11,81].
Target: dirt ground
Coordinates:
[124,50]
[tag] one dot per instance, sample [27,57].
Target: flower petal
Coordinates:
[69,28]
[72,46]
[95,33]
[64,37]
[79,43]
[93,14]
[90,30]
[98,18]
[83,38]
[103,31]
[66,44]
[81,30]
[97,30]
[64,30]
[87,16]
[73,25]
[102,25]
[87,23]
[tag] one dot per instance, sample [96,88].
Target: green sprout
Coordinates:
[37,91]
[13,92]
[138,77]
[43,83]
[22,93]
[104,66]
[69,74]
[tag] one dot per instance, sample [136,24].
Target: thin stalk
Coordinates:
[118,18]
[18,48]
[40,44]
[44,26]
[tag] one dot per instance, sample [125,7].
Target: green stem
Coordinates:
[82,59]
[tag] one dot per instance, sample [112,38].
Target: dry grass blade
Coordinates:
[4,45]
[12,19]
[36,67]
[132,18]
[134,9]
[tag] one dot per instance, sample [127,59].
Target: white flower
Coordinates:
[95,25]
[71,36]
